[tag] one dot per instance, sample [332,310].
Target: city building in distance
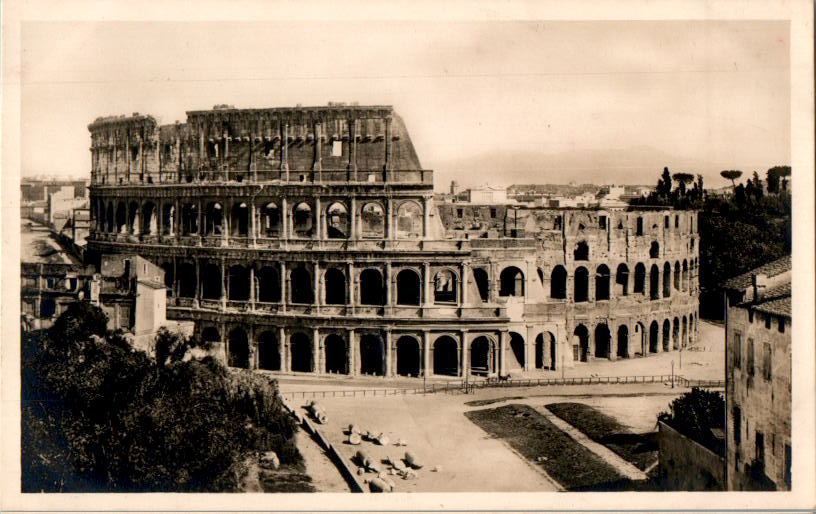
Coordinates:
[307,240]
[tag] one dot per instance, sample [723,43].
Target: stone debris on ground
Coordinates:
[318,412]
[412,460]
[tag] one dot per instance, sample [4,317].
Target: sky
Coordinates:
[708,95]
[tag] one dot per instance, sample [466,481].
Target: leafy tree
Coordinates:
[731,175]
[772,180]
[683,180]
[695,414]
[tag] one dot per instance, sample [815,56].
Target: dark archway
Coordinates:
[666,335]
[121,217]
[558,283]
[211,282]
[676,334]
[684,284]
[517,349]
[654,282]
[622,280]
[335,286]
[408,288]
[667,276]
[300,347]
[149,226]
[238,349]
[581,286]
[301,282]
[371,287]
[268,279]
[602,277]
[654,330]
[640,278]
[239,283]
[684,340]
[337,221]
[677,276]
[580,344]
[445,287]
[445,356]
[511,282]
[169,219]
[371,355]
[109,217]
[581,252]
[602,341]
[482,283]
[189,219]
[213,219]
[268,352]
[623,342]
[408,357]
[545,351]
[336,354]
[654,250]
[210,335]
[167,267]
[48,307]
[239,220]
[133,218]
[302,220]
[270,220]
[482,355]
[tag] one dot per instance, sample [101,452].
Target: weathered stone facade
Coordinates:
[307,240]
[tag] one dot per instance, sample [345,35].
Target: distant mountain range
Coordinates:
[636,165]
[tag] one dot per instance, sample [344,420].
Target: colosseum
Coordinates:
[307,240]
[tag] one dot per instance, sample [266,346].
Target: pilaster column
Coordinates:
[284,167]
[426,353]
[198,283]
[352,162]
[502,352]
[387,166]
[465,355]
[389,213]
[224,283]
[388,284]
[252,293]
[464,271]
[317,347]
[352,293]
[426,218]
[317,165]
[254,224]
[318,233]
[284,212]
[353,217]
[388,354]
[352,351]
[316,282]
[282,350]
[141,160]
[283,286]
[426,284]
[199,224]
[127,156]
[226,153]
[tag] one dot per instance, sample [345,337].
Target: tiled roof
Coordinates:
[776,300]
[770,269]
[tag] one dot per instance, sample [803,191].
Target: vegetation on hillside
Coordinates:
[100,416]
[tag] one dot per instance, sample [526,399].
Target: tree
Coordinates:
[665,183]
[731,175]
[695,413]
[683,179]
[772,179]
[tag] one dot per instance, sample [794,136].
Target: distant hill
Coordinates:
[635,165]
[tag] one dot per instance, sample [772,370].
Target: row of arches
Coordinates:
[273,219]
[672,334]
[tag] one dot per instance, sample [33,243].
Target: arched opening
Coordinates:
[210,335]
[445,287]
[558,283]
[622,280]
[667,274]
[676,276]
[545,351]
[654,250]
[581,252]
[169,219]
[684,340]
[121,218]
[48,307]
[268,279]
[408,287]
[133,219]
[408,357]
[516,355]
[109,218]
[602,282]
[640,278]
[654,282]
[336,355]
[666,335]
[239,283]
[167,267]
[300,348]
[149,219]
[580,344]
[409,220]
[581,286]
[445,356]
[372,220]
[337,221]
[270,220]
[676,334]
[371,355]
[691,329]
[186,280]
[482,355]
[654,330]
[189,219]
[268,352]
[335,286]
[238,349]
[302,220]
[239,220]
[371,287]
[301,285]
[213,219]
[211,282]
[511,282]
[482,283]
[602,341]
[684,284]
[623,342]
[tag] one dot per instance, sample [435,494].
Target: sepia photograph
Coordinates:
[361,254]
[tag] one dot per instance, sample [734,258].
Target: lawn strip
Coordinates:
[639,449]
[536,438]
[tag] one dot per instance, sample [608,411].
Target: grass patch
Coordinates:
[639,449]
[533,436]
[289,478]
[482,403]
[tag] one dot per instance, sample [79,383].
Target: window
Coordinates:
[737,350]
[767,321]
[781,326]
[766,361]
[458,213]
[737,425]
[337,149]
[750,361]
[666,221]
[676,221]
[492,213]
[602,222]
[639,226]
